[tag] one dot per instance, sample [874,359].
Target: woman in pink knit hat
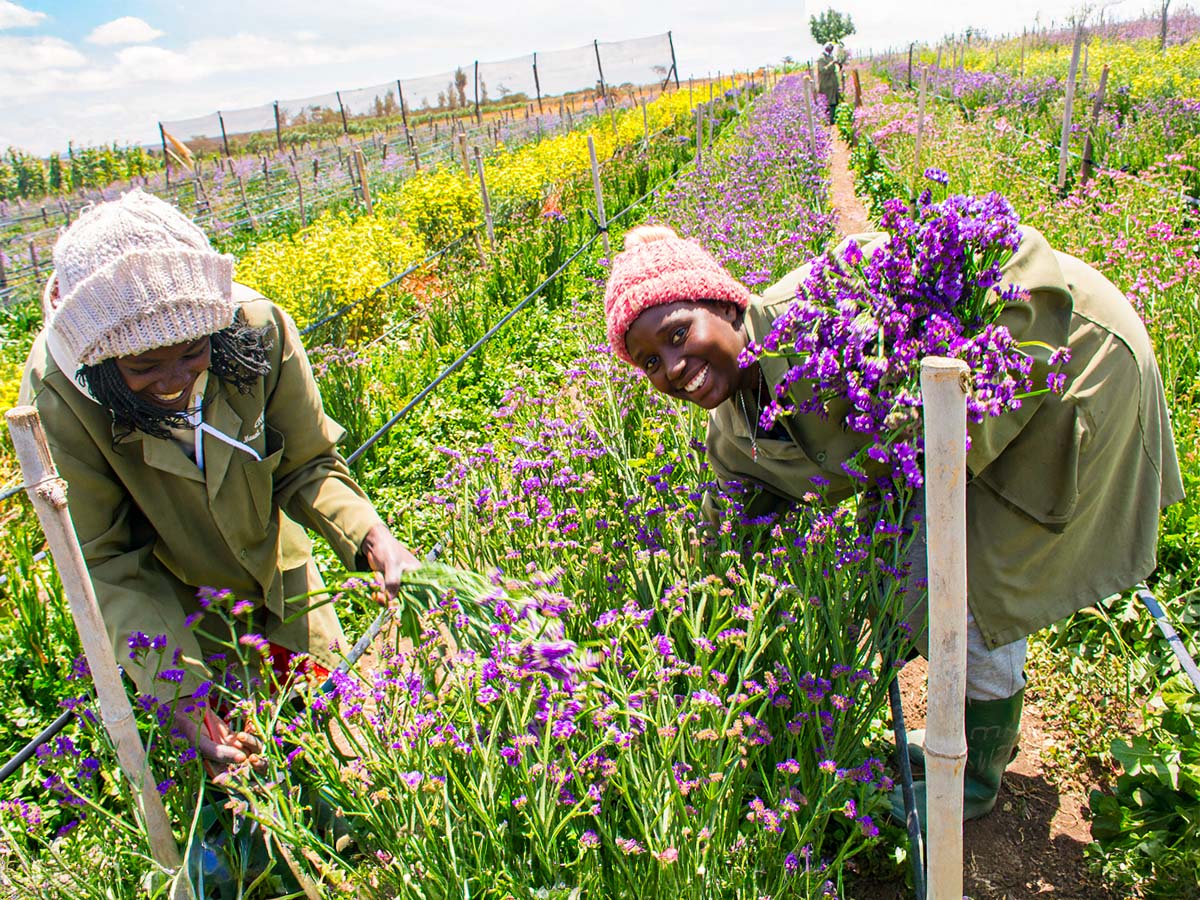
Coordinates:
[1039,546]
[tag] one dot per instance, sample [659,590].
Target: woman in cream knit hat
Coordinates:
[181,410]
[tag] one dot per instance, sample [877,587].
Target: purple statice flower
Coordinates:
[860,327]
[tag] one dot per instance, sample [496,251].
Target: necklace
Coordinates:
[752,428]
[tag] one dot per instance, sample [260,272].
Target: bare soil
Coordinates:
[1031,845]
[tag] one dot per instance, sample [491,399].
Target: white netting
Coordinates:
[638,61]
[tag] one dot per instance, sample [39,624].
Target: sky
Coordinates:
[93,72]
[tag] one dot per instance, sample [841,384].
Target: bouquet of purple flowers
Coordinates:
[861,325]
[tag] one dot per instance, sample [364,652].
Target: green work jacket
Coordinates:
[1064,493]
[829,79]
[154,527]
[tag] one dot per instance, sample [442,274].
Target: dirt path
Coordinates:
[1032,844]
[852,215]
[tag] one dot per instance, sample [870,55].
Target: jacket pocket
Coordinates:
[1038,472]
[260,477]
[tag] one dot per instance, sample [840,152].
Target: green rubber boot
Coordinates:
[992,727]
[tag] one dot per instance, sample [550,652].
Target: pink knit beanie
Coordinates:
[659,267]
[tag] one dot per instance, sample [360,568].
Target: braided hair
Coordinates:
[238,356]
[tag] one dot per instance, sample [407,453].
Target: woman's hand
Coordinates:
[388,557]
[217,743]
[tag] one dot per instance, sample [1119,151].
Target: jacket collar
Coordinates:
[167,456]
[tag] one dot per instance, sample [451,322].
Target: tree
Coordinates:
[460,82]
[1162,34]
[830,26]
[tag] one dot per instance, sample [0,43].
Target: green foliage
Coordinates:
[830,26]
[1148,828]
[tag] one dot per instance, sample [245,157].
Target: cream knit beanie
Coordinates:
[133,275]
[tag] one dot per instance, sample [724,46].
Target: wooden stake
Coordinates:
[857,89]
[944,383]
[33,259]
[600,215]
[48,493]
[245,203]
[1065,142]
[462,149]
[645,124]
[808,114]
[699,136]
[920,126]
[1085,170]
[360,163]
[487,203]
[300,188]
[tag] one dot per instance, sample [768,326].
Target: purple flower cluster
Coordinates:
[755,206]
[861,325]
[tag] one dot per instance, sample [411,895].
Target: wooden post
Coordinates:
[246,204]
[1065,142]
[278,129]
[360,163]
[944,383]
[3,274]
[462,149]
[478,116]
[920,127]
[300,188]
[645,124]
[48,493]
[487,203]
[699,136]
[612,115]
[224,138]
[600,70]
[33,260]
[910,50]
[601,218]
[857,89]
[808,114]
[1085,170]
[537,87]
[416,158]
[342,110]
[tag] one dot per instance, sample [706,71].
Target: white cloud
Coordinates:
[125,30]
[13,16]
[37,54]
[33,66]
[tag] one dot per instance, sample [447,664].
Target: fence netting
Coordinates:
[461,90]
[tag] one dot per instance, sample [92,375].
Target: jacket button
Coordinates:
[242,554]
[821,457]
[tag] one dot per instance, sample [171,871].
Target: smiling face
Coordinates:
[164,376]
[690,350]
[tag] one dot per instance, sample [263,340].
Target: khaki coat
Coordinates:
[829,80]
[154,528]
[1064,493]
